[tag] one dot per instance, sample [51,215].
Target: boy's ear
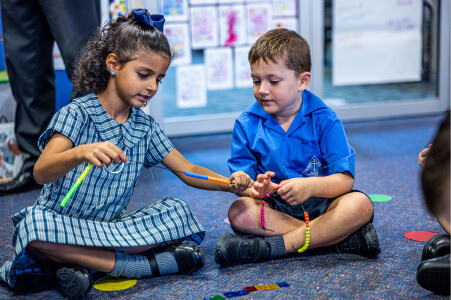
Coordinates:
[304,80]
[112,62]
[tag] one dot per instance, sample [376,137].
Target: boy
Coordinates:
[291,137]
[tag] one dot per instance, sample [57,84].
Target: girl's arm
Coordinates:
[60,156]
[176,161]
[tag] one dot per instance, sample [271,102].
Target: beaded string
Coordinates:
[199,176]
[307,232]
[262,211]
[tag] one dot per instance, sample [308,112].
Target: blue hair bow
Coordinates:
[140,16]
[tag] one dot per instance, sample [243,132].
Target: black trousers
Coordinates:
[30,27]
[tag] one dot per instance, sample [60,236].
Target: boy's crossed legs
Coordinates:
[344,221]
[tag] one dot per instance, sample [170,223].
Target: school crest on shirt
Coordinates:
[314,168]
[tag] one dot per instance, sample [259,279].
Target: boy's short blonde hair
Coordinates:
[282,44]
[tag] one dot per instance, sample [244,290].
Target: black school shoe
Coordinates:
[189,256]
[364,242]
[436,246]
[232,249]
[73,282]
[433,274]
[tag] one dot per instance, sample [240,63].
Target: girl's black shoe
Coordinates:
[189,256]
[73,282]
[436,246]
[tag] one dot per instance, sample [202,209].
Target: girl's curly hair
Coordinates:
[124,37]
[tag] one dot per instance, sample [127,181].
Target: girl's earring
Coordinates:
[112,73]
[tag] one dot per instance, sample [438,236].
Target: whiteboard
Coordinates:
[376,41]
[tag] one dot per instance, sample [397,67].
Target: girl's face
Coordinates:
[277,89]
[137,81]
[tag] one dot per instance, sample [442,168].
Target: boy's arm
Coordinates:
[176,161]
[298,190]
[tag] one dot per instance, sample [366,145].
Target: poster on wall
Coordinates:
[288,23]
[191,88]
[175,10]
[58,63]
[117,8]
[243,77]
[232,25]
[178,38]
[284,8]
[204,31]
[259,20]
[219,68]
[376,41]
[201,2]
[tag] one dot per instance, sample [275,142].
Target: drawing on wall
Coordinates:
[117,8]
[219,67]
[284,8]
[231,1]
[203,27]
[358,55]
[178,38]
[288,23]
[259,21]
[191,90]
[201,2]
[58,63]
[175,10]
[232,26]
[243,77]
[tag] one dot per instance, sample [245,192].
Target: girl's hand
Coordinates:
[423,154]
[102,153]
[263,185]
[242,181]
[295,191]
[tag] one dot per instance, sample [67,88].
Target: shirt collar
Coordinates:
[310,103]
[121,134]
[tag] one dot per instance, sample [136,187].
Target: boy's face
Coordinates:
[277,89]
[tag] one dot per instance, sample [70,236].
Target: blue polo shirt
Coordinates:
[314,145]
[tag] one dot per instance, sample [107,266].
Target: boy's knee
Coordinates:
[364,206]
[242,213]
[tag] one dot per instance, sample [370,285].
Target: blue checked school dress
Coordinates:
[95,214]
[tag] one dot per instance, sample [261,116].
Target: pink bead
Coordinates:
[263,202]
[262,209]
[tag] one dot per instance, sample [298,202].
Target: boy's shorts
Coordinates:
[314,206]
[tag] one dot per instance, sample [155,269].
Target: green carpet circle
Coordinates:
[379,198]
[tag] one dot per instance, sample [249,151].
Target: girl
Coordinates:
[121,68]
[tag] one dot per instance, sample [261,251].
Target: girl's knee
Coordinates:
[363,205]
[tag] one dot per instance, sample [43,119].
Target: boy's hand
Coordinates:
[423,154]
[263,185]
[295,191]
[242,182]
[102,153]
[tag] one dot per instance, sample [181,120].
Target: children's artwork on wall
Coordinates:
[175,10]
[259,20]
[242,68]
[178,38]
[203,27]
[288,23]
[117,8]
[231,1]
[191,88]
[219,66]
[201,2]
[284,8]
[58,63]
[232,25]
[359,59]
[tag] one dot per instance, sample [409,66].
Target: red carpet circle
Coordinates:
[420,236]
